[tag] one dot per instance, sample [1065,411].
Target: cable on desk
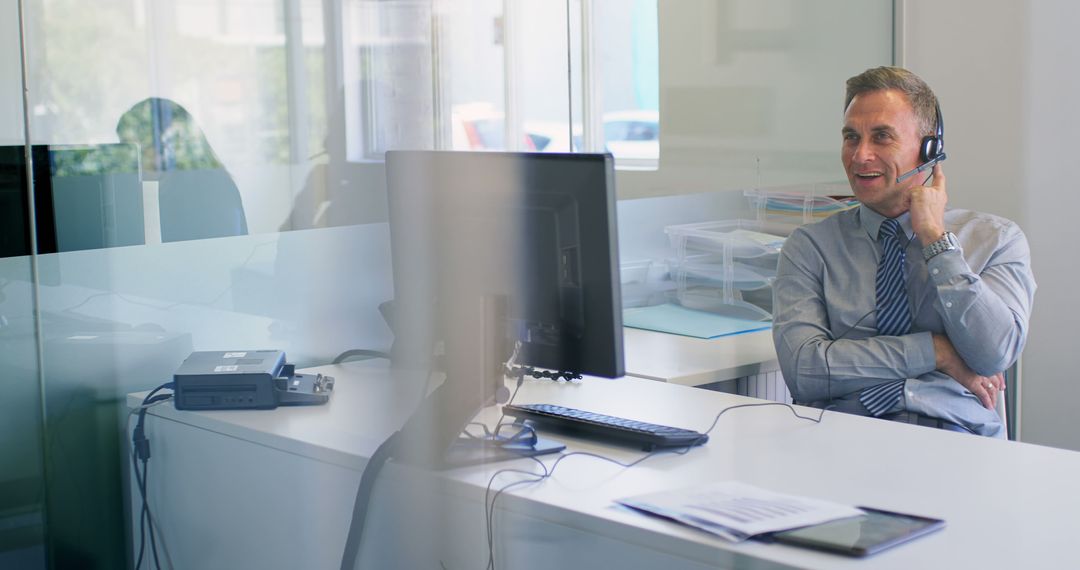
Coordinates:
[150,519]
[541,374]
[512,369]
[360,352]
[140,451]
[374,466]
[363,498]
[828,369]
[524,434]
[517,386]
[489,500]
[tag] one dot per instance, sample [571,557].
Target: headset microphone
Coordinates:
[932,150]
[922,167]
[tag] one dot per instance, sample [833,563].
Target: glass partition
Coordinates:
[22,493]
[751,92]
[22,471]
[209,175]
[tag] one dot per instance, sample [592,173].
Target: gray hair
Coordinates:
[918,93]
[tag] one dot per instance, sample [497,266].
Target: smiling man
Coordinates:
[900,308]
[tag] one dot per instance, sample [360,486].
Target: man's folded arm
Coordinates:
[815,366]
[986,314]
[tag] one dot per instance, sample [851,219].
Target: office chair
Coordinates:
[1008,406]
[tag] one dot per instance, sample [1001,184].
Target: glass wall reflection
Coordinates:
[209,175]
[22,472]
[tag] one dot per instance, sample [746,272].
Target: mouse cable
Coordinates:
[828,369]
[547,472]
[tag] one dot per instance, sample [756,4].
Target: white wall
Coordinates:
[1052,203]
[1005,73]
[976,66]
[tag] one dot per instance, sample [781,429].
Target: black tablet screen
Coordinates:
[862,535]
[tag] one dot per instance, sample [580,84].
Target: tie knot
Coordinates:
[890,228]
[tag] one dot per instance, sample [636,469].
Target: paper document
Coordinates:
[736,511]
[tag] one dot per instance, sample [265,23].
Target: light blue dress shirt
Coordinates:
[824,299]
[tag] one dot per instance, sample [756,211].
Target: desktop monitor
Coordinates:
[497,253]
[14,207]
[85,197]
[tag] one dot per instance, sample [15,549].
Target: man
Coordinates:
[900,308]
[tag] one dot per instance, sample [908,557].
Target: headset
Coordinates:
[932,149]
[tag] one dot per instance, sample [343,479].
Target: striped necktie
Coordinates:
[893,314]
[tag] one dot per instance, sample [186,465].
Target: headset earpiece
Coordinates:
[934,145]
[931,151]
[931,147]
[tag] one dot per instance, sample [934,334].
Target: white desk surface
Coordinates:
[694,361]
[1007,504]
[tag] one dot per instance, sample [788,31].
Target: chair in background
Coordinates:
[1008,406]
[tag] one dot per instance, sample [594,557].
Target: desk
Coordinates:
[274,489]
[694,361]
[749,358]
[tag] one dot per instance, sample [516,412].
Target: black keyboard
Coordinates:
[608,427]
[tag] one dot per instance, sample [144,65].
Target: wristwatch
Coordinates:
[946,242]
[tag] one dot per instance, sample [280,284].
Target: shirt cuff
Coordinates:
[947,265]
[920,354]
[912,401]
[914,398]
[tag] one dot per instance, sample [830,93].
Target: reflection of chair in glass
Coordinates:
[330,195]
[96,196]
[338,191]
[197,197]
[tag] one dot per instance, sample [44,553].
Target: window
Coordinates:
[620,95]
[502,75]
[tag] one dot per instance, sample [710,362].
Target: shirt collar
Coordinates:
[871,222]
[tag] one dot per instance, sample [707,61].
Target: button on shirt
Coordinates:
[824,299]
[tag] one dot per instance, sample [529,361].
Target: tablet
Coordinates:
[862,535]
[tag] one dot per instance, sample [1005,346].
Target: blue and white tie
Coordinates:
[893,314]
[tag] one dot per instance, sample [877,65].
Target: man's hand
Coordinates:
[928,208]
[947,360]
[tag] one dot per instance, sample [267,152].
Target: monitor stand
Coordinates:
[470,451]
[467,450]
[434,435]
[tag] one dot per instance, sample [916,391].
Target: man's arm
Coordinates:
[985,388]
[985,314]
[815,366]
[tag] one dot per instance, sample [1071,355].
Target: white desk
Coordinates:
[274,489]
[693,361]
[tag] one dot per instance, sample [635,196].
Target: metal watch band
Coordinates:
[945,243]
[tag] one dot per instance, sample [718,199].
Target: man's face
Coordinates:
[881,141]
